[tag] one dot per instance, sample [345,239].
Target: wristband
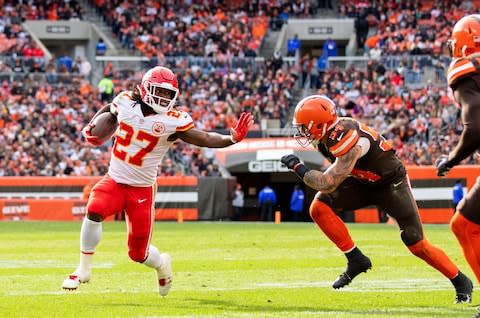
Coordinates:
[300,169]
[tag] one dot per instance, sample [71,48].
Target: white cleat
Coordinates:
[164,273]
[74,280]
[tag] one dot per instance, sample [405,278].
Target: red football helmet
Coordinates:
[159,89]
[465,39]
[314,116]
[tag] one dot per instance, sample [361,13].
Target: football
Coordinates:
[105,126]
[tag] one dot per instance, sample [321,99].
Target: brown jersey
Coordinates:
[379,165]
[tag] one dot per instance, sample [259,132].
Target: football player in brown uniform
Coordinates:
[464,80]
[364,171]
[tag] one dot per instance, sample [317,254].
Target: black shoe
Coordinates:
[362,265]
[477,315]
[463,288]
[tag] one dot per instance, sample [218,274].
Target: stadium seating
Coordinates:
[45,103]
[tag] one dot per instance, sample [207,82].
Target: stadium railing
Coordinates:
[53,79]
[142,62]
[428,68]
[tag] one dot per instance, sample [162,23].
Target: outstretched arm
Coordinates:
[205,139]
[329,180]
[215,140]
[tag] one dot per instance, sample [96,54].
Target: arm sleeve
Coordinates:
[468,96]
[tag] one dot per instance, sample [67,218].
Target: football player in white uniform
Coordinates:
[147,125]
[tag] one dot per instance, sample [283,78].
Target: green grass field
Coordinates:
[224,270]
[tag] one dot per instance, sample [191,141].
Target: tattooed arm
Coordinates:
[329,180]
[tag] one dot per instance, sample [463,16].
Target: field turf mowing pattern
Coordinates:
[225,269]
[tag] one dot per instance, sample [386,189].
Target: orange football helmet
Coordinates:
[314,116]
[465,39]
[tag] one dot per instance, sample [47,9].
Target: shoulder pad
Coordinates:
[181,119]
[343,137]
[461,67]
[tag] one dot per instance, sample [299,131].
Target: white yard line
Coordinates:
[384,286]
[5,263]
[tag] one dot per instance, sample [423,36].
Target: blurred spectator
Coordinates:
[105,87]
[321,68]
[297,200]
[267,199]
[330,47]
[457,194]
[306,64]
[361,29]
[325,4]
[85,68]
[277,61]
[66,62]
[293,45]
[101,47]
[82,66]
[238,200]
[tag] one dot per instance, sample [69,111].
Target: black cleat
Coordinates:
[477,315]
[463,288]
[362,265]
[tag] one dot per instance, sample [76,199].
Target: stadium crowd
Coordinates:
[201,29]
[41,122]
[41,116]
[405,27]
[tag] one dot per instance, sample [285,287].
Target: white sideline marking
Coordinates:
[325,313]
[385,286]
[5,263]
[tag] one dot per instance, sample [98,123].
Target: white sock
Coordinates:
[153,259]
[90,236]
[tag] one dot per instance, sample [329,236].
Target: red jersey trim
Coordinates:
[186,127]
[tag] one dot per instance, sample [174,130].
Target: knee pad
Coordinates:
[96,208]
[92,216]
[317,208]
[411,235]
[137,255]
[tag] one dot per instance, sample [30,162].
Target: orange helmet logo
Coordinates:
[314,116]
[465,39]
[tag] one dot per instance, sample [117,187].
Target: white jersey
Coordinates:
[141,142]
